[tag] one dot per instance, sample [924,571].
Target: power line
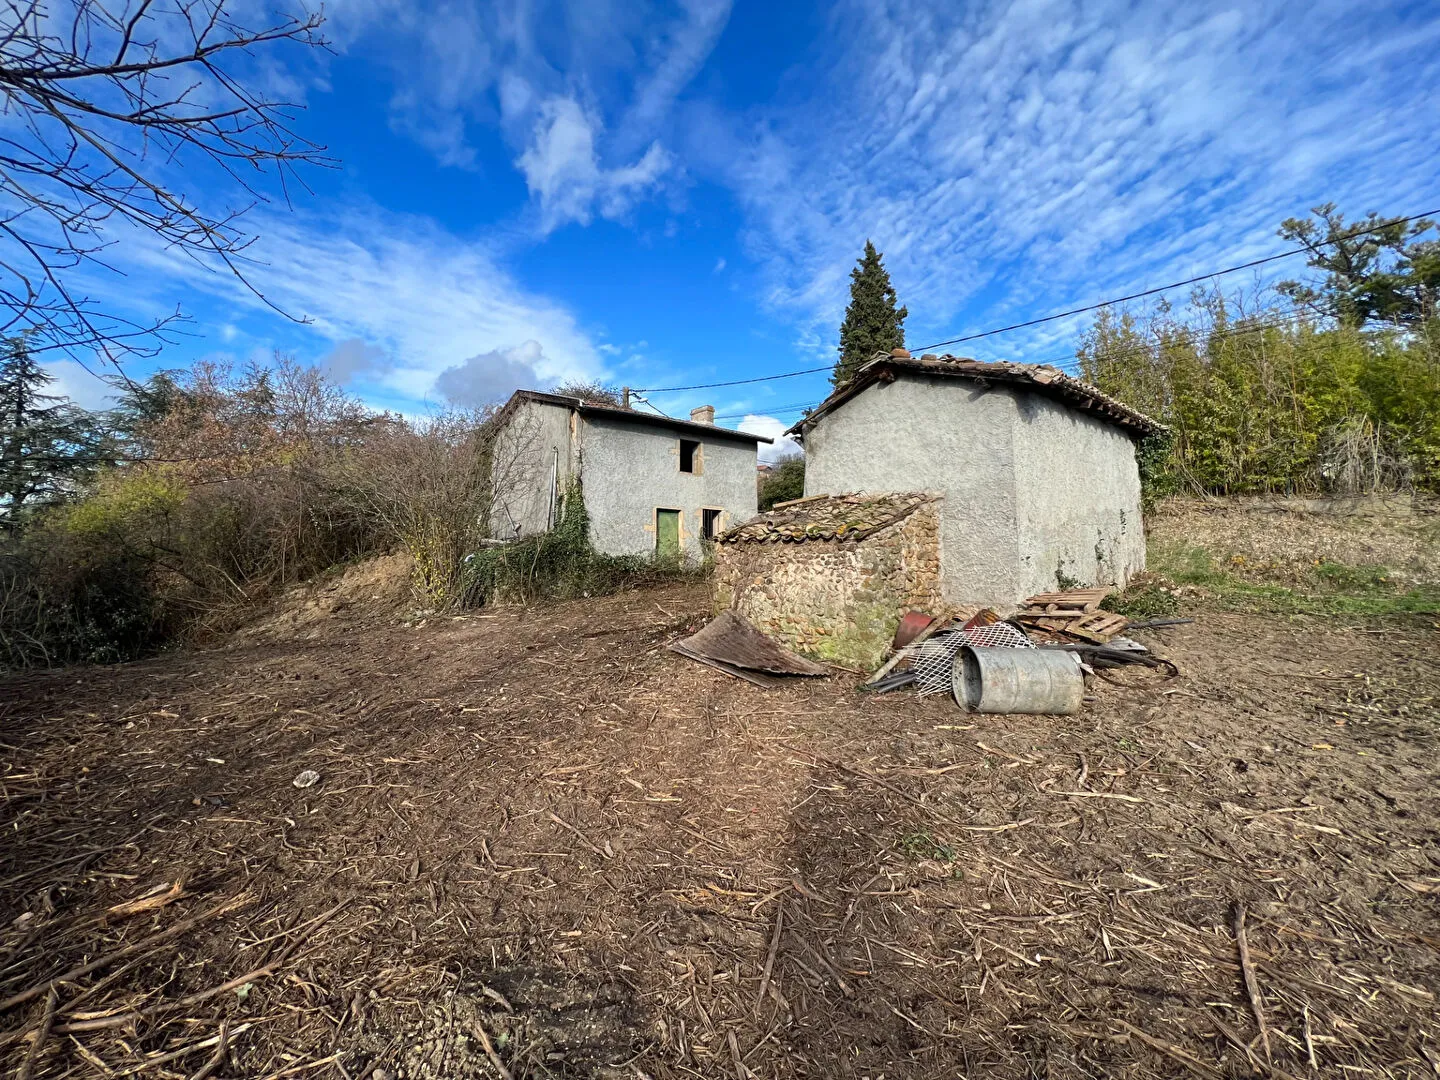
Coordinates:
[736,382]
[635,395]
[1089,307]
[1180,284]
[1208,336]
[770,410]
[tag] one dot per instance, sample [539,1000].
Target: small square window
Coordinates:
[709,523]
[689,455]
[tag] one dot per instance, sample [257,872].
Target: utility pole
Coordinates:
[625,393]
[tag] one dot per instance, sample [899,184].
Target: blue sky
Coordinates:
[657,194]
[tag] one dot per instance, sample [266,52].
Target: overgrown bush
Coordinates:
[228,489]
[57,608]
[784,482]
[1261,400]
[426,486]
[560,564]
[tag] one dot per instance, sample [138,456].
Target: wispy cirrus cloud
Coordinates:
[1009,157]
[585,110]
[395,302]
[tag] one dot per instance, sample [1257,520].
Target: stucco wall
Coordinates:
[536,437]
[837,600]
[1078,498]
[932,434]
[628,471]
[1025,480]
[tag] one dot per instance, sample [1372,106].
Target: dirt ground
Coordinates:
[540,844]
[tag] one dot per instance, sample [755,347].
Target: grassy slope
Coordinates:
[1382,560]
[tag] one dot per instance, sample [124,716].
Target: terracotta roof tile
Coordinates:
[1038,378]
[828,517]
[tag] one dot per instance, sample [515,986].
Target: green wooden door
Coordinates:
[667,534]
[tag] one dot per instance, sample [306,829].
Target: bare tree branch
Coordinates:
[106,105]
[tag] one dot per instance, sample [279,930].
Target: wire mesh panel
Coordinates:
[934,659]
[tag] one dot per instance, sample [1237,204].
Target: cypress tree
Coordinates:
[872,322]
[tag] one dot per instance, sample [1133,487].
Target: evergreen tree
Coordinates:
[784,482]
[47,444]
[872,322]
[1375,268]
[141,404]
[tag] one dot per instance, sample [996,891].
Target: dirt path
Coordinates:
[546,833]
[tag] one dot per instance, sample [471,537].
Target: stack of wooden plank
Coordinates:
[1075,613]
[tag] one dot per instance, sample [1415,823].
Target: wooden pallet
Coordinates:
[1075,612]
[1072,600]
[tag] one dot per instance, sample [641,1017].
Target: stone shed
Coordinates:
[829,576]
[1038,469]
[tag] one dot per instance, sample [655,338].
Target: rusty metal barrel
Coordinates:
[990,680]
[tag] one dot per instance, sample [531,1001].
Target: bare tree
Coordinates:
[433,485]
[107,104]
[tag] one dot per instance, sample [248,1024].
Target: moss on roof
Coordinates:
[828,517]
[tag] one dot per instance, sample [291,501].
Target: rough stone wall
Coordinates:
[836,600]
[1030,485]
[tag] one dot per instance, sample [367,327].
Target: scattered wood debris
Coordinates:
[929,895]
[1074,613]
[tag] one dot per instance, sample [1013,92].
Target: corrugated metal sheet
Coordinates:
[731,640]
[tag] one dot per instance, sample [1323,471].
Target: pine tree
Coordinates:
[1376,269]
[872,323]
[47,444]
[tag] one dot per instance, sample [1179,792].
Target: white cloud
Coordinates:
[1022,157]
[675,53]
[719,264]
[581,90]
[771,428]
[398,299]
[73,381]
[564,173]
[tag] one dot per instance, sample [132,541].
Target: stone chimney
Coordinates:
[705,414]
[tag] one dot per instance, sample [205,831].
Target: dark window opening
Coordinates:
[689,455]
[709,523]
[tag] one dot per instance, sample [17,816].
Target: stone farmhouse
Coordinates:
[1037,470]
[652,485]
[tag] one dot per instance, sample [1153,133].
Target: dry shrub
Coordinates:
[561,563]
[427,486]
[238,485]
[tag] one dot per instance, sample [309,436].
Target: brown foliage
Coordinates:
[245,483]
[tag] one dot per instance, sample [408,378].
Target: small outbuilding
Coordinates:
[830,575]
[1038,469]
